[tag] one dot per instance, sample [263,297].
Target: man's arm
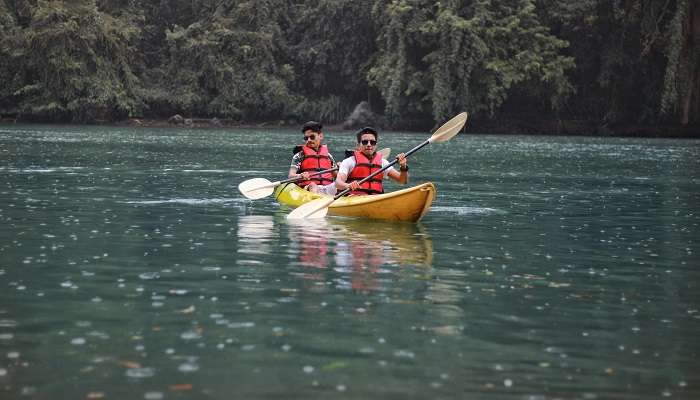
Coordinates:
[294,168]
[400,176]
[343,171]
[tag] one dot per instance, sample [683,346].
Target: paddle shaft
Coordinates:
[314,174]
[379,171]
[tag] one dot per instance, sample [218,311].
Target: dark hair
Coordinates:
[367,129]
[311,125]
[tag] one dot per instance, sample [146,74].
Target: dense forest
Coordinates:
[558,66]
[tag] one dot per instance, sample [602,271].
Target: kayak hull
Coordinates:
[409,204]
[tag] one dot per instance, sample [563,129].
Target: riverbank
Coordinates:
[476,125]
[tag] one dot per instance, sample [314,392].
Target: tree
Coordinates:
[617,63]
[636,62]
[75,63]
[681,88]
[442,57]
[331,46]
[9,36]
[227,64]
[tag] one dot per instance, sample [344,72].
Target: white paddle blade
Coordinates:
[313,209]
[385,152]
[256,188]
[449,128]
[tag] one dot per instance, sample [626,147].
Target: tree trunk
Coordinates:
[687,99]
[691,28]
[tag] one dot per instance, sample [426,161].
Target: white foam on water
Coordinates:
[467,210]
[252,172]
[139,373]
[211,171]
[38,170]
[8,323]
[187,201]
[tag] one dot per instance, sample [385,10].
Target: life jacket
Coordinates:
[314,162]
[364,168]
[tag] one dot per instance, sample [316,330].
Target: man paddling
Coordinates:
[364,161]
[313,157]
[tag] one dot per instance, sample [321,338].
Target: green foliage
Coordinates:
[629,57]
[331,45]
[675,75]
[448,56]
[8,38]
[331,109]
[227,65]
[418,60]
[75,63]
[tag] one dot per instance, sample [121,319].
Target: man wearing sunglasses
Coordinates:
[312,157]
[364,161]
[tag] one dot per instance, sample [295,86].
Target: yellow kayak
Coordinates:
[409,204]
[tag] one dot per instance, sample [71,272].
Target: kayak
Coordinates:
[409,204]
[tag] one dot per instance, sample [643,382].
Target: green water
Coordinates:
[547,268]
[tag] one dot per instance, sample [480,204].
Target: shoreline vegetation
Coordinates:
[589,67]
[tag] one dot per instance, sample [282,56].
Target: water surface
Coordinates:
[547,268]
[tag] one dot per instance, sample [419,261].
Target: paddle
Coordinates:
[257,188]
[319,208]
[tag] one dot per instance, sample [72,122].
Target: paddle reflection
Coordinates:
[256,234]
[359,249]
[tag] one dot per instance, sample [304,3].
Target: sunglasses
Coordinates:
[310,137]
[367,141]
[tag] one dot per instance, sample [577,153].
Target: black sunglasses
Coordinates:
[310,137]
[368,141]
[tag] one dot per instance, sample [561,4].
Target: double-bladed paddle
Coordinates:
[257,188]
[319,208]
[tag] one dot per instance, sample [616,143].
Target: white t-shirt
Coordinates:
[349,163]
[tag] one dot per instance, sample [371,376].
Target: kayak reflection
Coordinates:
[360,250]
[256,234]
[370,242]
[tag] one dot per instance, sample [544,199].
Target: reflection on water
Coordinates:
[255,234]
[356,242]
[360,249]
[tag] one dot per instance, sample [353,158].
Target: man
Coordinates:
[364,161]
[313,157]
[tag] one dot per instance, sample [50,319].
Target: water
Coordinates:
[548,268]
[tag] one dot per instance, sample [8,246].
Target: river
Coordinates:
[547,268]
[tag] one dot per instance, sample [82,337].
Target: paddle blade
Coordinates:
[256,188]
[313,209]
[449,129]
[385,152]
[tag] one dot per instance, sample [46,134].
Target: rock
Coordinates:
[215,122]
[176,119]
[361,116]
[189,122]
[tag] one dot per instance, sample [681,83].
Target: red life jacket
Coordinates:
[364,168]
[315,161]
